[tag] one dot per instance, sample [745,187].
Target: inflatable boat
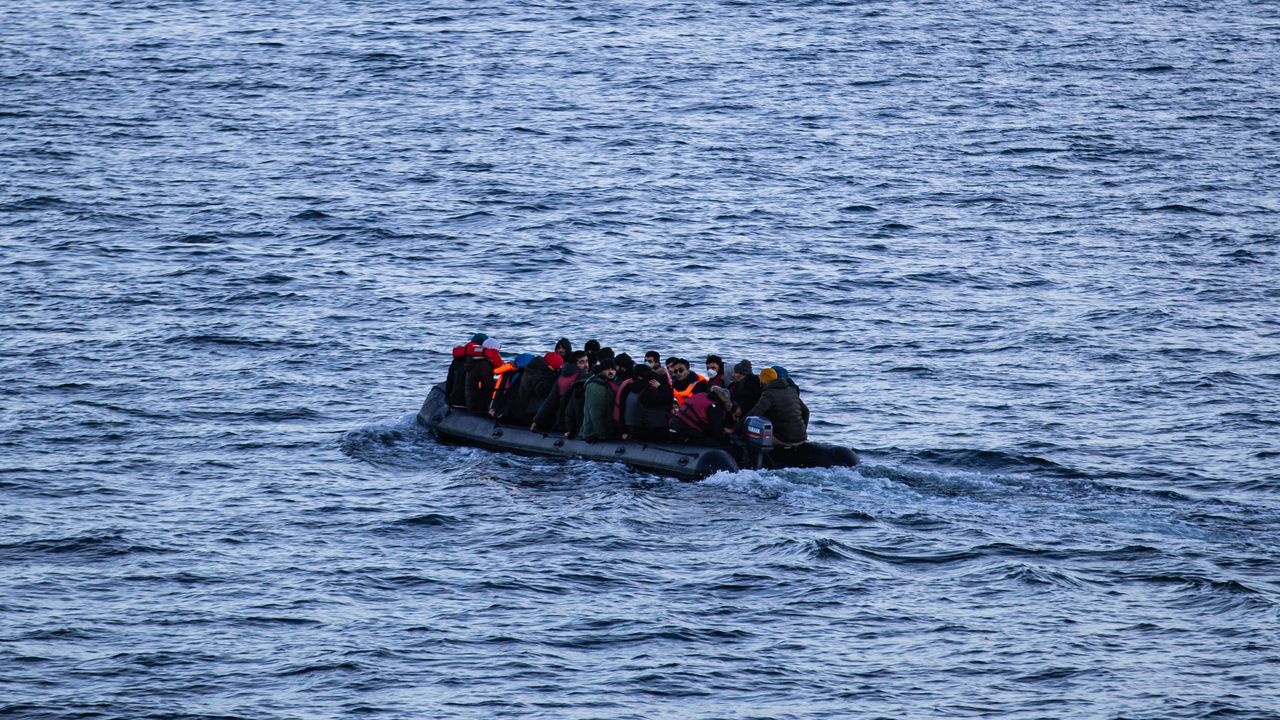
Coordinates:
[688,462]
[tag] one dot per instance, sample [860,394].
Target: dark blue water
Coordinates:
[1024,259]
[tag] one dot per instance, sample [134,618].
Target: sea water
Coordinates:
[1023,258]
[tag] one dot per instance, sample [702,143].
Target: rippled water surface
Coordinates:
[1023,258]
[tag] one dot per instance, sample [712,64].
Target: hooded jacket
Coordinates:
[550,412]
[780,402]
[745,392]
[455,384]
[597,409]
[645,406]
[537,379]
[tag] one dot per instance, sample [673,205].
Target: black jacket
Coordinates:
[536,380]
[745,392]
[550,413]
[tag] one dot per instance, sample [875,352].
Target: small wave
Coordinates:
[269,620]
[322,667]
[42,202]
[1034,150]
[1209,593]
[1179,208]
[239,342]
[829,549]
[282,414]
[196,239]
[995,461]
[432,520]
[93,546]
[1038,575]
[398,443]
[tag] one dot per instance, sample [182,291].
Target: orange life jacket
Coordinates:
[501,373]
[685,394]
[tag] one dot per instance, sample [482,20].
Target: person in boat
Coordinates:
[563,348]
[744,386]
[700,419]
[482,362]
[685,382]
[652,359]
[572,407]
[536,381]
[455,383]
[625,365]
[780,403]
[598,396]
[509,377]
[646,406]
[624,378]
[593,349]
[715,371]
[550,414]
[604,353]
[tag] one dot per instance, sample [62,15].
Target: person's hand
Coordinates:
[654,384]
[493,413]
[534,427]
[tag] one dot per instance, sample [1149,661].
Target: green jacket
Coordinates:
[597,410]
[780,402]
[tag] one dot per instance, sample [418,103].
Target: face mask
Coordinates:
[711,373]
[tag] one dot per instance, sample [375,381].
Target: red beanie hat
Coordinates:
[554,361]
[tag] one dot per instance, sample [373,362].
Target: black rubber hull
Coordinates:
[690,462]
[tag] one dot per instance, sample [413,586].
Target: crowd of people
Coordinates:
[596,395]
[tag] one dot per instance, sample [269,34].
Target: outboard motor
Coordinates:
[759,438]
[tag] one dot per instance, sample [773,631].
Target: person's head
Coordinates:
[592,345]
[608,369]
[715,366]
[625,364]
[581,360]
[563,348]
[492,344]
[479,338]
[741,370]
[604,352]
[555,361]
[679,369]
[643,374]
[768,375]
[721,395]
[671,362]
[735,411]
[652,359]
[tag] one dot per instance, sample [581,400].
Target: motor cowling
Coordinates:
[759,433]
[758,438]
